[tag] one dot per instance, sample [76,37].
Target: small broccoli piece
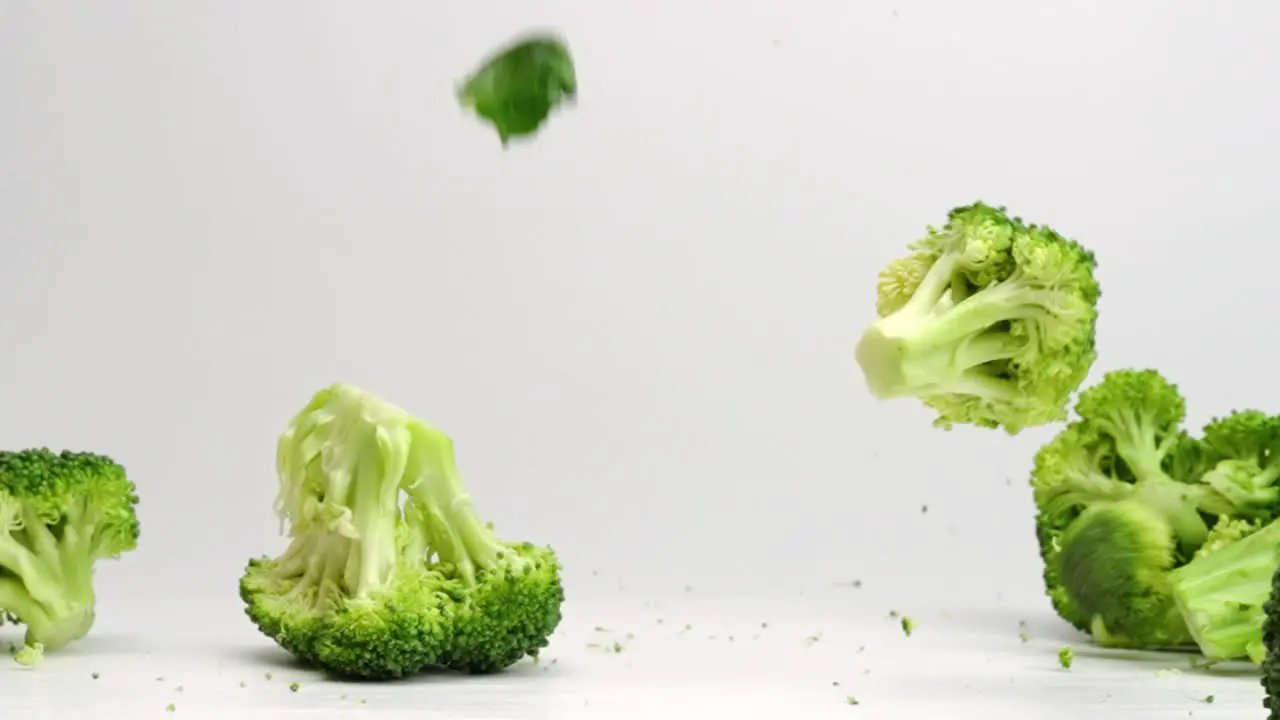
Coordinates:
[908,626]
[989,322]
[518,87]
[59,514]
[1066,657]
[294,687]
[30,655]
[851,700]
[370,589]
[170,707]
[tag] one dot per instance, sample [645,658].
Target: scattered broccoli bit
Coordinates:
[988,321]
[170,707]
[30,655]
[893,614]
[517,88]
[244,684]
[1208,699]
[60,513]
[1066,656]
[178,689]
[294,687]
[908,626]
[266,676]
[1023,637]
[1153,537]
[851,700]
[924,509]
[94,675]
[427,584]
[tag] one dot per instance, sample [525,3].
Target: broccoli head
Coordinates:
[989,322]
[59,514]
[518,87]
[1136,516]
[389,569]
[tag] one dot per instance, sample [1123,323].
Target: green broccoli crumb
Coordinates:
[294,687]
[94,675]
[1024,637]
[1066,656]
[893,614]
[30,655]
[267,675]
[908,626]
[1207,699]
[851,700]
[170,708]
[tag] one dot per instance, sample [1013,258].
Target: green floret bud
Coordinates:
[1244,448]
[1113,565]
[517,88]
[989,321]
[59,514]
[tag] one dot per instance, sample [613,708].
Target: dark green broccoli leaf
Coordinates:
[518,87]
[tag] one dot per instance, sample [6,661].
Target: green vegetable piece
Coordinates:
[517,88]
[908,626]
[30,656]
[1066,656]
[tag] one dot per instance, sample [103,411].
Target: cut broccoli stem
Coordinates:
[922,346]
[51,586]
[455,531]
[1221,594]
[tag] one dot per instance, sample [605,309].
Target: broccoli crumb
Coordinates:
[30,655]
[1024,637]
[293,687]
[617,647]
[851,700]
[908,626]
[1066,656]
[1207,699]
[835,683]
[362,701]
[893,614]
[267,675]
[813,639]
[924,509]
[94,675]
[244,684]
[170,707]
[178,689]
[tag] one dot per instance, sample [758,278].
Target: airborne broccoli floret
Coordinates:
[989,321]
[518,87]
[1127,500]
[59,514]
[389,569]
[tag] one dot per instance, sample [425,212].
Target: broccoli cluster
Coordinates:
[1152,536]
[518,87]
[989,321]
[389,570]
[59,514]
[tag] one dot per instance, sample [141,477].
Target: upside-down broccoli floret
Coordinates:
[389,569]
[518,87]
[989,321]
[59,514]
[1145,530]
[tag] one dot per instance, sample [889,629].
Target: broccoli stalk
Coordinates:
[1221,593]
[988,321]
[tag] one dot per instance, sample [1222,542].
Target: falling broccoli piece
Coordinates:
[908,626]
[60,513]
[851,700]
[1066,656]
[988,321]
[389,569]
[517,88]
[30,655]
[294,687]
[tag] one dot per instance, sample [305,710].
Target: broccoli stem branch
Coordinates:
[456,533]
[1221,594]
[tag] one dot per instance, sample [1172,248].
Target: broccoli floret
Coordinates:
[59,514]
[989,321]
[518,87]
[1126,500]
[1113,564]
[389,569]
[1127,444]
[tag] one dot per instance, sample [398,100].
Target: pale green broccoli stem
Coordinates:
[1221,594]
[51,587]
[923,346]
[1138,443]
[455,532]
[379,464]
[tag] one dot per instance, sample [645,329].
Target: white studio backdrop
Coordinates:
[639,327]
